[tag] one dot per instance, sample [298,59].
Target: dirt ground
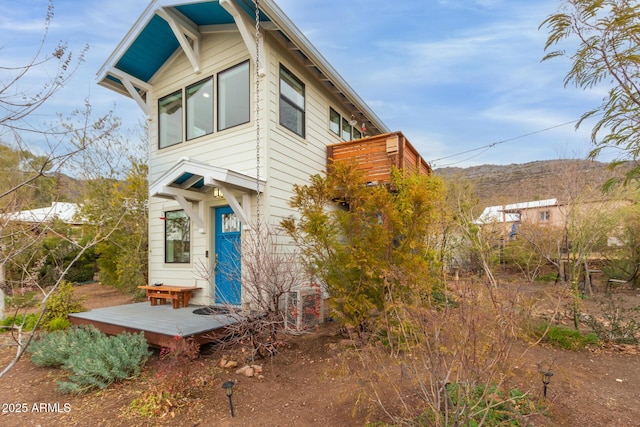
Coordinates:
[304,385]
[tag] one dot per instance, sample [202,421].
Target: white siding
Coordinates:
[286,158]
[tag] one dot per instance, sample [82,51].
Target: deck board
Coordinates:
[159,323]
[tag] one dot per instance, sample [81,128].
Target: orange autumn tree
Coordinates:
[371,246]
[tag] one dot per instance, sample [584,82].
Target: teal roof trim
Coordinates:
[150,50]
[205,13]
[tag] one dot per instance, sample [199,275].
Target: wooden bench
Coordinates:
[178,295]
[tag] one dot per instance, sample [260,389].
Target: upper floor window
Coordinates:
[233,96]
[177,237]
[292,102]
[334,121]
[170,120]
[192,108]
[343,127]
[200,109]
[346,130]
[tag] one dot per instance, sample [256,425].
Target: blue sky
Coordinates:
[452,75]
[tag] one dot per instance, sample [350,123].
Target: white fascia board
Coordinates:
[128,39]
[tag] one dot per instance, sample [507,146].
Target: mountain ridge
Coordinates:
[537,180]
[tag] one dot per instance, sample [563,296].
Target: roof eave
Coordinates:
[281,20]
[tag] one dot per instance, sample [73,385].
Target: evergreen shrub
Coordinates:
[93,359]
[60,304]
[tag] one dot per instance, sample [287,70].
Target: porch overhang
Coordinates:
[191,183]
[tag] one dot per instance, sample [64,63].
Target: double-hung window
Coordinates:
[292,102]
[177,237]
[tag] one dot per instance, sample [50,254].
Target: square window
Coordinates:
[170,120]
[177,235]
[233,96]
[545,216]
[292,102]
[200,109]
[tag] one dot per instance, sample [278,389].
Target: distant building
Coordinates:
[546,212]
[60,211]
[65,212]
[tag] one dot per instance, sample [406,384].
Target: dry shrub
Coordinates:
[454,368]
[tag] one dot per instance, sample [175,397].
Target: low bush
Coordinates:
[93,359]
[548,277]
[58,324]
[618,324]
[27,322]
[485,405]
[565,338]
[60,304]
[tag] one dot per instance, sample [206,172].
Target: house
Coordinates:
[67,213]
[238,113]
[508,217]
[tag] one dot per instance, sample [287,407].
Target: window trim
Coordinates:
[217,101]
[182,119]
[291,103]
[344,127]
[186,108]
[339,116]
[166,240]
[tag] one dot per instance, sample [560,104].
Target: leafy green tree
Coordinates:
[369,244]
[121,205]
[607,53]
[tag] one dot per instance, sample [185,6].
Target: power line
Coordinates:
[493,144]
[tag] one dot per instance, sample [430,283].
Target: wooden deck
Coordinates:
[376,155]
[160,323]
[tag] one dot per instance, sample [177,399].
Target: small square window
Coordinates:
[545,216]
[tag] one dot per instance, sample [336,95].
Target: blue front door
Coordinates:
[227,259]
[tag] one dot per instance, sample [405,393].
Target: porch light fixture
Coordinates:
[228,389]
[546,378]
[217,193]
